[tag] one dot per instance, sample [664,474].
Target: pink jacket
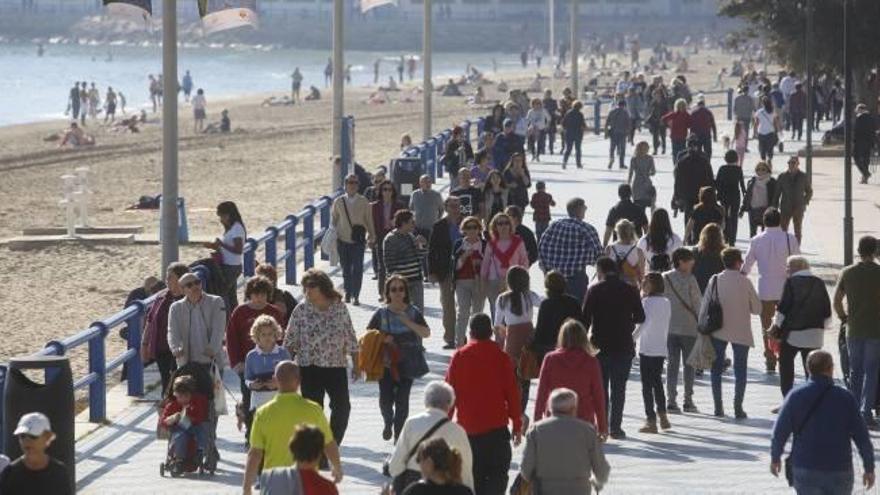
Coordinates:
[492,269]
[577,370]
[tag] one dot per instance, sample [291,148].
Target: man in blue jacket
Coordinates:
[823,418]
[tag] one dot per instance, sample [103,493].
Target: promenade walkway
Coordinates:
[701,454]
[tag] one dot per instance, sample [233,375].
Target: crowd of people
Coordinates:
[671,303]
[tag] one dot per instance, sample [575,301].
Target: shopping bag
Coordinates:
[703,354]
[220,407]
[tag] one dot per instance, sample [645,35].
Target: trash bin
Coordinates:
[53,397]
[405,174]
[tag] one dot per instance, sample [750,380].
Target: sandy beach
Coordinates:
[274,163]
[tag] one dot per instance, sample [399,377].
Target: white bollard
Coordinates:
[82,194]
[68,188]
[70,208]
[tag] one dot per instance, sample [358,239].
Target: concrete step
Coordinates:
[25,243]
[107,229]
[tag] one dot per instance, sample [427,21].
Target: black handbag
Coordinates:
[358,232]
[712,319]
[789,468]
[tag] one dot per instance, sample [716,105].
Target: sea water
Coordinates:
[36,88]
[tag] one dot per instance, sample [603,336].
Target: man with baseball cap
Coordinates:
[35,471]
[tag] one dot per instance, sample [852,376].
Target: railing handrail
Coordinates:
[134,313]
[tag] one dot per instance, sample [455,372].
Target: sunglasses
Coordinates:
[397,288]
[471,227]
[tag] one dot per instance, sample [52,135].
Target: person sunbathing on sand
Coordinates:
[76,137]
[392,85]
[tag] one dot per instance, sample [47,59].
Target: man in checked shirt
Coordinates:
[568,246]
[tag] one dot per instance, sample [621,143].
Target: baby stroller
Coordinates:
[193,462]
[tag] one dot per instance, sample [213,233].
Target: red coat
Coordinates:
[679,123]
[238,330]
[196,411]
[577,370]
[487,395]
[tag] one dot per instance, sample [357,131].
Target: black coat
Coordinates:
[750,187]
[530,241]
[455,152]
[805,303]
[440,250]
[692,172]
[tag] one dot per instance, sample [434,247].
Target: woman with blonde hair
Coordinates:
[503,250]
[707,254]
[626,253]
[573,365]
[679,123]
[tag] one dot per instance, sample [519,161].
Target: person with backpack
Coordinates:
[660,241]
[683,292]
[626,253]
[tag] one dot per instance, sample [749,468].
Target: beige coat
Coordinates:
[361,214]
[738,301]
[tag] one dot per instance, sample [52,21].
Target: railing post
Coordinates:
[250,257]
[135,365]
[325,219]
[309,236]
[597,116]
[439,149]
[98,366]
[182,225]
[272,246]
[729,103]
[290,247]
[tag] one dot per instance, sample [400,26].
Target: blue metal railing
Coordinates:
[299,232]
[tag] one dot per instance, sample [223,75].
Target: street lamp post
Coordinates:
[552,27]
[170,249]
[574,48]
[848,137]
[338,88]
[809,70]
[427,86]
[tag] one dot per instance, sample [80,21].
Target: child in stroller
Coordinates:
[187,420]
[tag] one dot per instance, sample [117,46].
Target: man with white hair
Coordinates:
[802,315]
[432,423]
[562,451]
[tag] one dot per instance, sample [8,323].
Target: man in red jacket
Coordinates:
[488,397]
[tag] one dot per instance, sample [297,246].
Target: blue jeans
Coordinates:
[540,227]
[351,257]
[575,286]
[740,370]
[180,439]
[619,143]
[815,482]
[677,148]
[864,362]
[615,373]
[569,144]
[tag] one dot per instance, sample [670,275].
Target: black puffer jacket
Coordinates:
[805,303]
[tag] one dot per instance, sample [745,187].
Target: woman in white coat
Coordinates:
[738,302]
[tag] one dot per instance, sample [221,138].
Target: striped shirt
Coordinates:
[402,256]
